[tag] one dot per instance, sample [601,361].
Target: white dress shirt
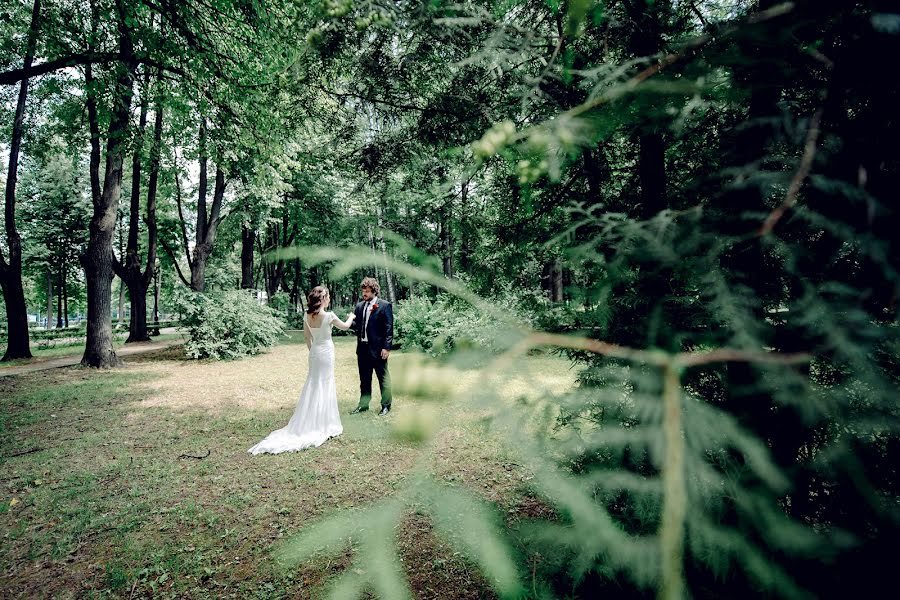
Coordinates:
[367,310]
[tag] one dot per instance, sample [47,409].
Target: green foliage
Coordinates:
[441,325]
[226,325]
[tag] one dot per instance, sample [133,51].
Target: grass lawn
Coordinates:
[99,498]
[41,353]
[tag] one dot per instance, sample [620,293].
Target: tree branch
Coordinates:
[171,254]
[790,199]
[14,76]
[181,221]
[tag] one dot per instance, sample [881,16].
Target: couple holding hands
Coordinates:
[316,416]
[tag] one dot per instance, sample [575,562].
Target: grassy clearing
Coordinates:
[99,500]
[41,353]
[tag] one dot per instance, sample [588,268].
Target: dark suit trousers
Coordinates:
[368,363]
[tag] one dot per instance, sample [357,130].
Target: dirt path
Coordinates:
[68,361]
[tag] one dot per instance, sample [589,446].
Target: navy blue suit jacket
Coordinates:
[380,331]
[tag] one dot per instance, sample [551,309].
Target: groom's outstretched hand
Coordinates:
[385,354]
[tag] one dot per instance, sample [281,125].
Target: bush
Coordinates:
[226,325]
[443,324]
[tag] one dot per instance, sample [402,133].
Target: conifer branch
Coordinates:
[809,153]
[674,510]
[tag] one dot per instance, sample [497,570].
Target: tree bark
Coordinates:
[49,298]
[155,330]
[17,345]
[557,280]
[207,225]
[136,276]
[59,299]
[596,169]
[465,249]
[65,291]
[248,238]
[646,39]
[446,242]
[98,259]
[120,314]
[388,275]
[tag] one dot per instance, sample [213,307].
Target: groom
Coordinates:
[374,328]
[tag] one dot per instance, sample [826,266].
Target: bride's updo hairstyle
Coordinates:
[316,299]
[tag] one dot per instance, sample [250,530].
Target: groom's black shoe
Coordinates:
[358,410]
[385,410]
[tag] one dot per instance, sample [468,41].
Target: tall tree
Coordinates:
[17,345]
[207,221]
[136,276]
[98,259]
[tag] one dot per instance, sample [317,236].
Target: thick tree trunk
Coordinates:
[137,326]
[248,238]
[11,273]
[652,172]
[557,281]
[646,39]
[98,259]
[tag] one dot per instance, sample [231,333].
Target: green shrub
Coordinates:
[438,326]
[226,325]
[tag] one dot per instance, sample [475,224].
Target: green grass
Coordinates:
[41,353]
[101,501]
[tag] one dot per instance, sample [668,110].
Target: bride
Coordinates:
[316,417]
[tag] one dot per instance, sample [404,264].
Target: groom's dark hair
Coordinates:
[372,284]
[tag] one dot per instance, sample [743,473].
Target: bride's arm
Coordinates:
[344,325]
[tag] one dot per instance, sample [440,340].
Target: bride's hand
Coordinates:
[350,317]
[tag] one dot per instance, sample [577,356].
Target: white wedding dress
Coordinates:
[316,417]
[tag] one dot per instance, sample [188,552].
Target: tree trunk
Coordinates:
[295,288]
[151,270]
[596,169]
[65,291]
[98,259]
[120,315]
[136,277]
[49,298]
[646,39]
[446,243]
[557,280]
[17,345]
[652,172]
[155,329]
[389,280]
[207,223]
[465,249]
[137,326]
[248,238]
[59,300]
